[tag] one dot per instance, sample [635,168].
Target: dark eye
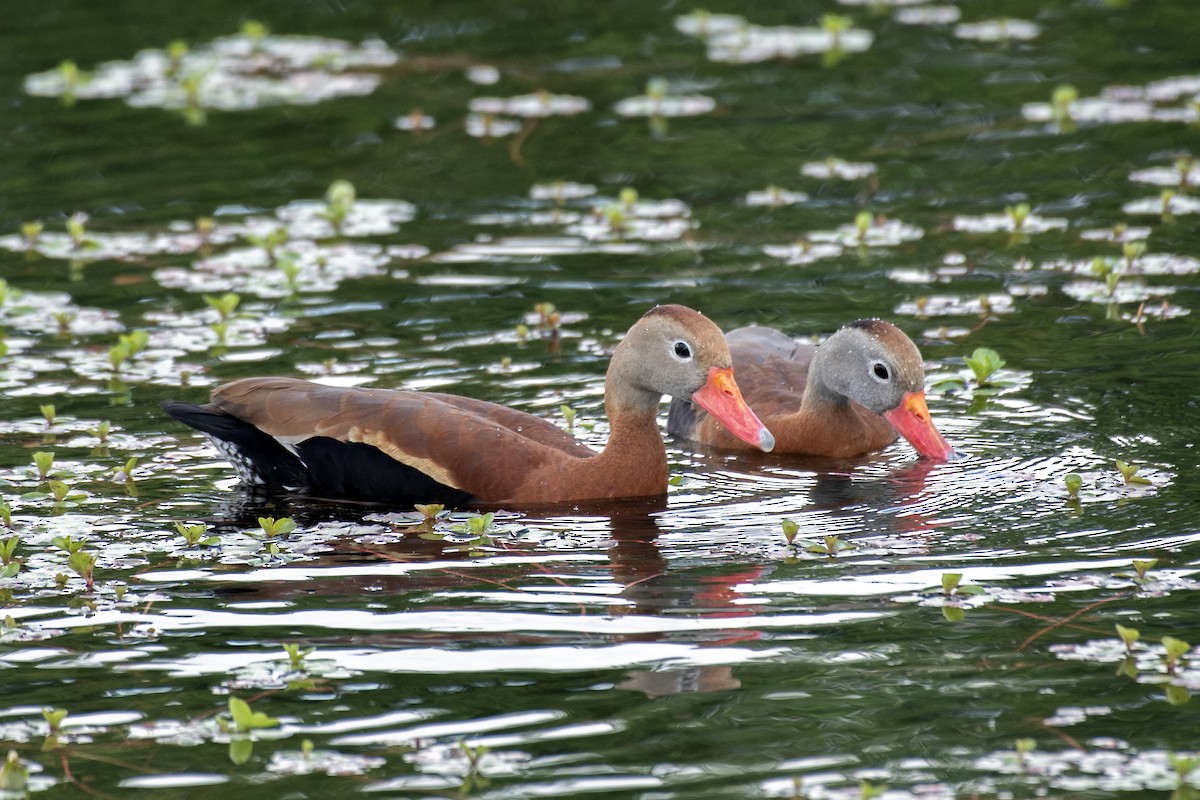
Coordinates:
[682,350]
[881,371]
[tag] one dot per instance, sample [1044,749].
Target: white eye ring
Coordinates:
[880,372]
[681,350]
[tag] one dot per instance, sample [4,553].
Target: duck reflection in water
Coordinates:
[639,576]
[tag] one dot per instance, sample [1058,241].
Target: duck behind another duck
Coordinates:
[851,395]
[403,447]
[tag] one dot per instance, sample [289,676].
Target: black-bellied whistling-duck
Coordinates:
[848,396]
[402,447]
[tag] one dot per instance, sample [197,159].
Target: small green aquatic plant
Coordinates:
[474,780]
[194,534]
[1109,271]
[124,475]
[869,790]
[1132,251]
[951,587]
[1183,766]
[831,546]
[176,50]
[984,363]
[1168,197]
[255,31]
[952,592]
[477,525]
[224,304]
[8,549]
[67,543]
[429,511]
[5,513]
[339,200]
[295,655]
[1074,482]
[14,776]
[289,265]
[44,461]
[862,224]
[1129,474]
[269,242]
[1175,649]
[76,225]
[1024,746]
[48,414]
[84,565]
[127,347]
[1061,101]
[568,414]
[101,431]
[54,718]
[61,491]
[245,719]
[1018,214]
[790,529]
[1129,637]
[548,317]
[30,231]
[273,528]
[1141,567]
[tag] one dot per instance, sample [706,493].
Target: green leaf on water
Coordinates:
[984,362]
[1128,635]
[245,719]
[1129,474]
[790,529]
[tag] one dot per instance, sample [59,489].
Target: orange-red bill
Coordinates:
[722,398]
[911,419]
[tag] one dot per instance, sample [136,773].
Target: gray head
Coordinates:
[870,362]
[677,351]
[670,350]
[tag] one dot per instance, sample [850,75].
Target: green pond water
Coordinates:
[672,650]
